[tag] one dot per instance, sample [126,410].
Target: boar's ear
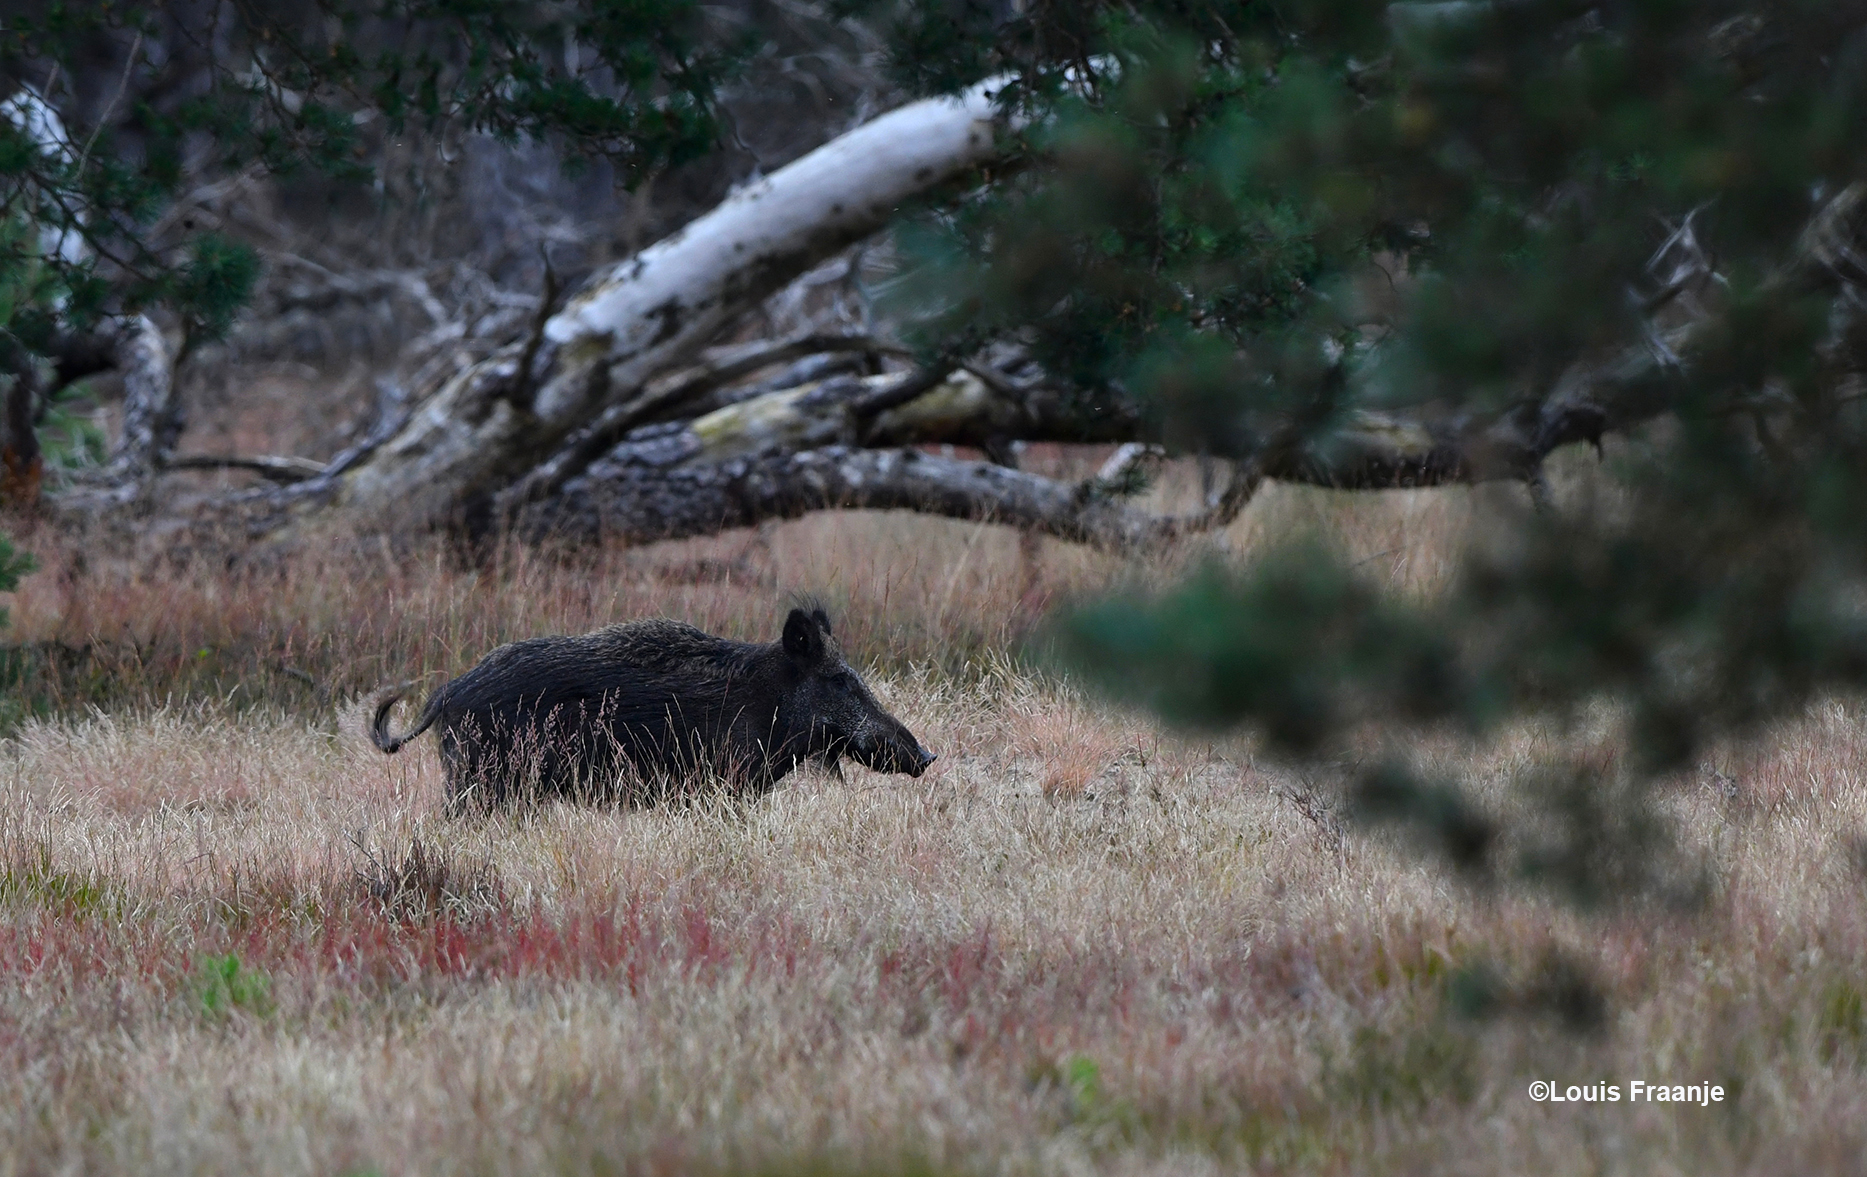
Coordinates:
[803,641]
[821,618]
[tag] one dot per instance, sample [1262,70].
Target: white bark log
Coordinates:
[662,304]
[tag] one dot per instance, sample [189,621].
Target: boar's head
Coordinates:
[843,717]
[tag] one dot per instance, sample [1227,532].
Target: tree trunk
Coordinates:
[152,419]
[22,467]
[649,490]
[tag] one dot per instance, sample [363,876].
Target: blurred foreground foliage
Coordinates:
[1262,221]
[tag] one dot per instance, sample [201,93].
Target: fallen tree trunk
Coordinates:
[842,442]
[493,423]
[648,491]
[845,441]
[790,450]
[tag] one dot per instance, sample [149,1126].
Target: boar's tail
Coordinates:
[379,724]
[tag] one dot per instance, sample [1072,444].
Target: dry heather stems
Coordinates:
[968,971]
[230,941]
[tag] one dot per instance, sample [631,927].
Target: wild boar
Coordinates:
[636,710]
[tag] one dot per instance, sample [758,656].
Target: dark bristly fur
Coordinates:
[637,708]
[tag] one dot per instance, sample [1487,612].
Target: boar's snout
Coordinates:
[893,749]
[913,759]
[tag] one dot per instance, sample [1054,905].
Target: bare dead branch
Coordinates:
[277,468]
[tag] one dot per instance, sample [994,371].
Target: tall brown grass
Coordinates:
[234,938]
[306,627]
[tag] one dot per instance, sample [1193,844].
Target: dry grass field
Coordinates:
[236,939]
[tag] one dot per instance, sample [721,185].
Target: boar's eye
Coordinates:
[842,678]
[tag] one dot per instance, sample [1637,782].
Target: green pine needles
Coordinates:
[1648,208]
